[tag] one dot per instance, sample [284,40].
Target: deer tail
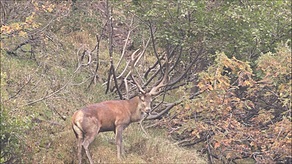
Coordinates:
[76,126]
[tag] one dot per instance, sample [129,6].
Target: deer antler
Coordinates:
[132,64]
[155,90]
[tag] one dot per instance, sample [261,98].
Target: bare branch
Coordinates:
[48,95]
[109,11]
[153,43]
[21,88]
[169,106]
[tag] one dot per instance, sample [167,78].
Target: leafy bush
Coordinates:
[241,113]
[243,29]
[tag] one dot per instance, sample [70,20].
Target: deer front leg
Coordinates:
[119,141]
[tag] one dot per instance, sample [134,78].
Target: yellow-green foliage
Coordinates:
[276,69]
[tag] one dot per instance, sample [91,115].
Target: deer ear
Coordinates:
[142,96]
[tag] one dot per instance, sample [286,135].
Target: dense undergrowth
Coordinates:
[38,98]
[235,105]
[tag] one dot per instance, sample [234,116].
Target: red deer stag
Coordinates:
[113,115]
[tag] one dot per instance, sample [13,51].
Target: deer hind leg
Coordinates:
[79,147]
[91,132]
[79,135]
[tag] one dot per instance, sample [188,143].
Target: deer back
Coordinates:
[111,113]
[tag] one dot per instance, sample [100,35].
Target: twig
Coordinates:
[53,108]
[209,152]
[47,95]
[30,77]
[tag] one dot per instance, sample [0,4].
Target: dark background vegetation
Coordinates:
[228,92]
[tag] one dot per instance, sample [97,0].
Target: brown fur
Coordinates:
[114,115]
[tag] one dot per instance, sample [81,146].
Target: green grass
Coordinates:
[139,148]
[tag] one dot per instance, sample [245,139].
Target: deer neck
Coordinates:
[135,109]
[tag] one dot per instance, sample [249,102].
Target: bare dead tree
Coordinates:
[174,65]
[96,48]
[112,68]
